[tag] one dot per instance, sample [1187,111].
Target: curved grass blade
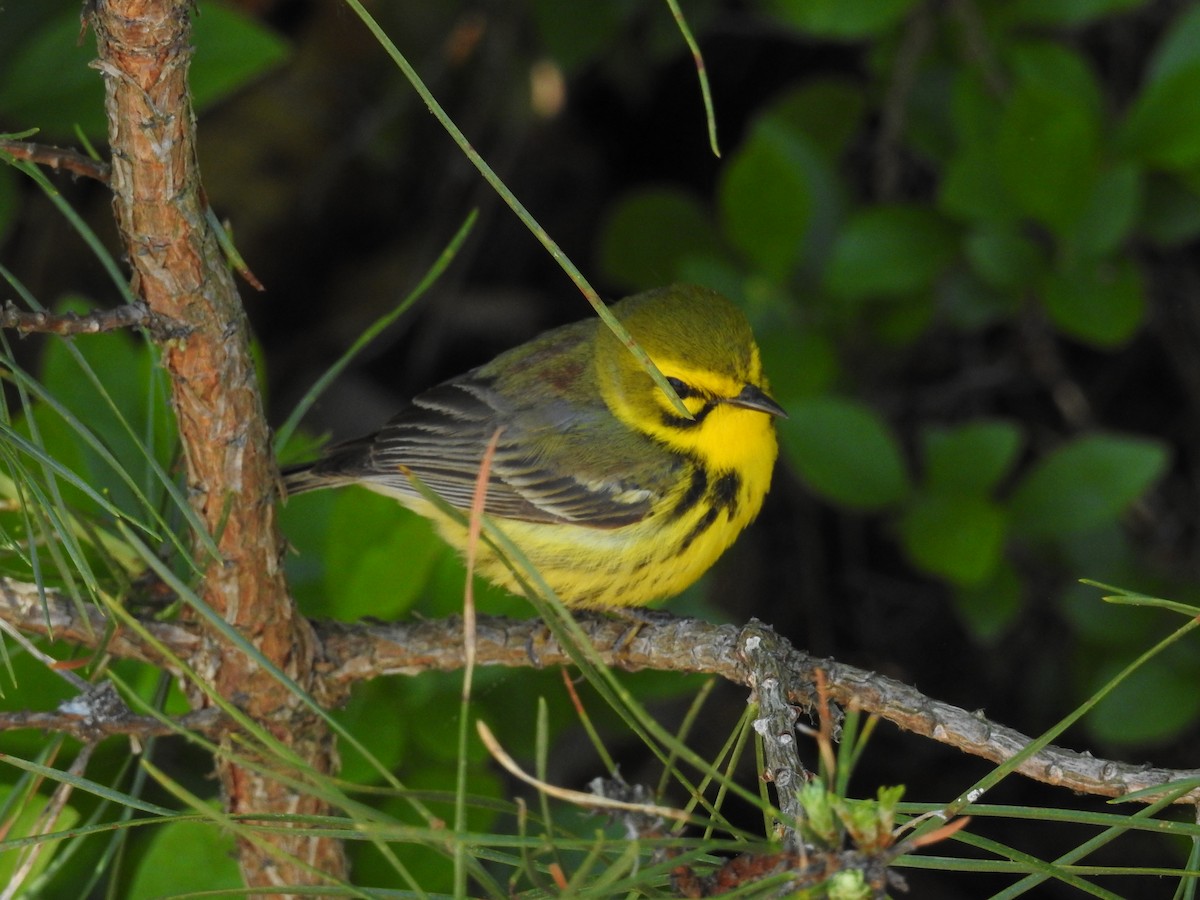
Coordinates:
[710,117]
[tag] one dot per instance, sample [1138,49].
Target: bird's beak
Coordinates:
[752,397]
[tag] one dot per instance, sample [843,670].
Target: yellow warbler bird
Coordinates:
[614,497]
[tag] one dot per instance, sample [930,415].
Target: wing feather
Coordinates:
[441,439]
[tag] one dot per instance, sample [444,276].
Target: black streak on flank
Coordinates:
[694,493]
[706,520]
[722,496]
[724,493]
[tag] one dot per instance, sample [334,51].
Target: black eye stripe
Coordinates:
[675,421]
[683,389]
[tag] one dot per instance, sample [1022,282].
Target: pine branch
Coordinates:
[356,652]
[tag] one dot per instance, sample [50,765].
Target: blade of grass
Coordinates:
[739,737]
[1132,598]
[44,459]
[84,784]
[710,117]
[1188,886]
[589,727]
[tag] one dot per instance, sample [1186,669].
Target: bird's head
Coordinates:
[703,345]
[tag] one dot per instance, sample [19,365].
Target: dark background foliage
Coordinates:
[965,232]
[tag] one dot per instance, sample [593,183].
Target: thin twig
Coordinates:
[761,652]
[70,720]
[58,158]
[128,315]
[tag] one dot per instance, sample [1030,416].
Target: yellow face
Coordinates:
[703,345]
[724,431]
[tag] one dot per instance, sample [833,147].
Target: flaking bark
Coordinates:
[179,272]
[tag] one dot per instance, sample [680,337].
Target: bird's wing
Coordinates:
[557,459]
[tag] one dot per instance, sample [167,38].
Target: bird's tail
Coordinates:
[341,464]
[307,477]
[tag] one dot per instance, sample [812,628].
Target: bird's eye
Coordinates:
[683,390]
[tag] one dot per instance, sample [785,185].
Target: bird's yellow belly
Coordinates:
[634,565]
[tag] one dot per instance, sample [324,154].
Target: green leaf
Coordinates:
[971,458]
[370,715]
[965,300]
[1058,68]
[1110,212]
[1155,703]
[890,251]
[447,585]
[1102,302]
[799,362]
[1085,483]
[971,189]
[765,199]
[842,18]
[128,370]
[185,857]
[47,82]
[1047,152]
[1047,138]
[1163,126]
[929,129]
[825,186]
[956,536]
[845,452]
[232,50]
[974,110]
[648,234]
[1003,256]
[901,321]
[379,556]
[990,608]
[828,111]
